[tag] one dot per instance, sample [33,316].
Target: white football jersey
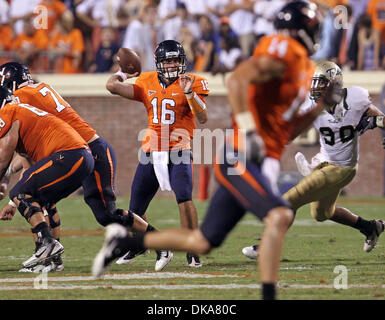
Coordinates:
[338,138]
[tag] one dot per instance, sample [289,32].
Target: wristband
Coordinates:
[11,203]
[380,121]
[245,121]
[122,75]
[195,103]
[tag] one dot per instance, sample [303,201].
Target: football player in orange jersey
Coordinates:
[173,100]
[62,160]
[265,93]
[99,186]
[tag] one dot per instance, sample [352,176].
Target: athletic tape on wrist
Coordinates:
[195,102]
[122,75]
[11,203]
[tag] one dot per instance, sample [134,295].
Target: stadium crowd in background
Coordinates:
[75,36]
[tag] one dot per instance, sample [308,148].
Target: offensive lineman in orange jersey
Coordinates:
[62,160]
[172,100]
[248,183]
[99,186]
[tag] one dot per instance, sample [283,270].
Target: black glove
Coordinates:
[255,147]
[366,123]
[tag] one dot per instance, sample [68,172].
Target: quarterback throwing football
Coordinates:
[173,100]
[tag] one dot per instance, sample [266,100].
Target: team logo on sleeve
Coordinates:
[151,92]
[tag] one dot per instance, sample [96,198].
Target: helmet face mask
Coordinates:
[170,60]
[318,85]
[13,75]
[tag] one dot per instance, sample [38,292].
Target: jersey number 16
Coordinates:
[167,116]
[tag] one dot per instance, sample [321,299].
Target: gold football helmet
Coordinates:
[326,71]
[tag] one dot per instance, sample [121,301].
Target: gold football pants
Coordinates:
[321,189]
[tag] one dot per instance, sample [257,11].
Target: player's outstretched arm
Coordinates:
[15,166]
[116,85]
[371,119]
[8,145]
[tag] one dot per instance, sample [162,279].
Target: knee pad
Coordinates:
[51,212]
[26,204]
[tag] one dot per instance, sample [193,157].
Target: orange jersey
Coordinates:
[41,134]
[74,42]
[171,123]
[44,97]
[6,35]
[39,41]
[275,103]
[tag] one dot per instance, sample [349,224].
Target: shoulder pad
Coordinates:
[149,76]
[357,98]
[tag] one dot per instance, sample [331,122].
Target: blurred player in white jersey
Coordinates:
[335,166]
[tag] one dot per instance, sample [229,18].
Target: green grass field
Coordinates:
[311,253]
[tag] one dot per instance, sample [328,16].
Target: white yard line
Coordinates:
[143,275]
[181,287]
[35,282]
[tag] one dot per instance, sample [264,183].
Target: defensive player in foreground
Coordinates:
[264,93]
[173,100]
[62,160]
[99,186]
[335,166]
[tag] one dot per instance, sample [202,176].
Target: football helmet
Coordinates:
[14,74]
[302,21]
[326,71]
[170,49]
[6,96]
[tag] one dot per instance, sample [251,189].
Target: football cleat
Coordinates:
[130,256]
[193,260]
[57,263]
[163,258]
[46,252]
[49,266]
[110,250]
[371,240]
[36,269]
[251,252]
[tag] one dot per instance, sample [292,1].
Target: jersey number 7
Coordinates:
[55,96]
